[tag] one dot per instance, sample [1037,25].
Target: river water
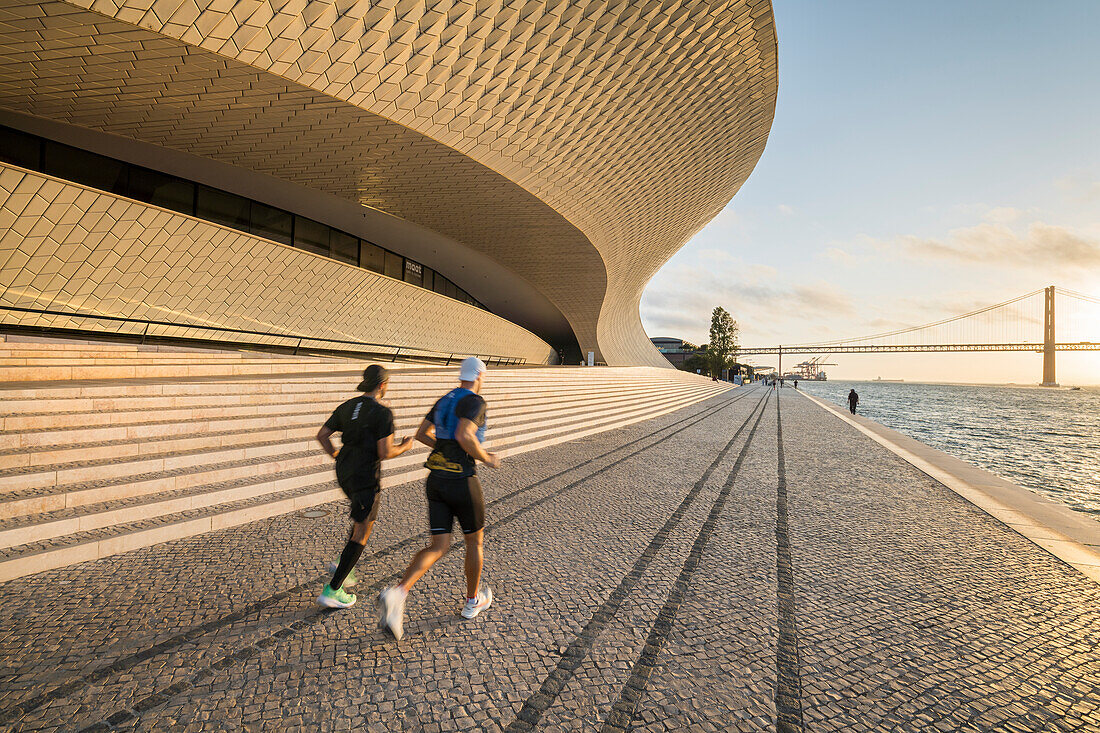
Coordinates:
[1046,440]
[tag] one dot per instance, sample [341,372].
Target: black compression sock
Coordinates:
[348,558]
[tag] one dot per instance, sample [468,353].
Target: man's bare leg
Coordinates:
[423,560]
[474,561]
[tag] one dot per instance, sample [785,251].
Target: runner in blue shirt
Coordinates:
[454,429]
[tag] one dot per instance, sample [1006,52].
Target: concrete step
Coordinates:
[104,530]
[54,396]
[50,487]
[165,371]
[94,427]
[45,447]
[29,402]
[200,407]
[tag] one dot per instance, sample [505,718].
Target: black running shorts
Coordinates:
[450,498]
[364,505]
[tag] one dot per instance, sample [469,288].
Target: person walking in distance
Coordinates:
[454,429]
[366,428]
[853,400]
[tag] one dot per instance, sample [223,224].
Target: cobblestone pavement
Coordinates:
[679,574]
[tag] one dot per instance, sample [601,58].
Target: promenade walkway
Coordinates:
[747,563]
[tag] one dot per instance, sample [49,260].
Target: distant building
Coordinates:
[677,351]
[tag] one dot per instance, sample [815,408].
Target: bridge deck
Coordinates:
[682,573]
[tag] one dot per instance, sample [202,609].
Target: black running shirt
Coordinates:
[362,422]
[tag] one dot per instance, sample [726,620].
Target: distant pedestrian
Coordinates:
[853,400]
[366,429]
[796,384]
[455,430]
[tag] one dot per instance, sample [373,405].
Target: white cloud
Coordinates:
[785,210]
[1002,215]
[836,254]
[680,299]
[1050,246]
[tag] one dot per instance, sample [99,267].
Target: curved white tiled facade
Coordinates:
[69,248]
[579,143]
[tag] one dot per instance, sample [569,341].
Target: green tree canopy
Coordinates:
[723,340]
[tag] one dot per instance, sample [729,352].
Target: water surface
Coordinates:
[1046,440]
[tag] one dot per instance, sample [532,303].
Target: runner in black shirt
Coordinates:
[454,429]
[366,428]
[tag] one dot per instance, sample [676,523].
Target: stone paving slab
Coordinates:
[830,586]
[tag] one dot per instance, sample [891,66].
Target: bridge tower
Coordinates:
[1049,379]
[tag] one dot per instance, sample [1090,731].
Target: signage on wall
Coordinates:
[413,267]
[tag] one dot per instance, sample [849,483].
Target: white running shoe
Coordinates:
[474,606]
[392,601]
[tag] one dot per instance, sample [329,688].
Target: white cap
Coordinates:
[471,369]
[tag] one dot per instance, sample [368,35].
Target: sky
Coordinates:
[926,159]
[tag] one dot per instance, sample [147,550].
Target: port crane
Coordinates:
[811,370]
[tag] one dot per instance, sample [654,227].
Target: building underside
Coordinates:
[540,159]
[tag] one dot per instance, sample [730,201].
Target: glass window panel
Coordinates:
[414,272]
[395,265]
[372,257]
[85,168]
[440,285]
[344,247]
[223,208]
[429,279]
[19,148]
[162,190]
[271,223]
[451,290]
[312,236]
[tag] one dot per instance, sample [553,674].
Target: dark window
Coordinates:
[395,266]
[344,247]
[222,208]
[19,148]
[312,236]
[85,168]
[162,190]
[271,223]
[372,257]
[414,272]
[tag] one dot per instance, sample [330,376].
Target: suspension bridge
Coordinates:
[1024,323]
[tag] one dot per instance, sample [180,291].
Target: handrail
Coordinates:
[416,351]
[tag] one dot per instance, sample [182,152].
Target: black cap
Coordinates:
[373,377]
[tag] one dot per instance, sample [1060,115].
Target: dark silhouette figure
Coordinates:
[853,400]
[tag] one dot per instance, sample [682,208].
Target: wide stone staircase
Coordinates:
[106,447]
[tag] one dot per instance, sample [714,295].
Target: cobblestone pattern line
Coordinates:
[533,708]
[915,611]
[717,669]
[621,717]
[788,688]
[550,568]
[631,438]
[918,611]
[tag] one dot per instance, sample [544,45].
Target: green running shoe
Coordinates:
[338,598]
[348,581]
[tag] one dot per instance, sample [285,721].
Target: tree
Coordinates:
[723,341]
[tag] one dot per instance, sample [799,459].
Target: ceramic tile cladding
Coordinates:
[578,142]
